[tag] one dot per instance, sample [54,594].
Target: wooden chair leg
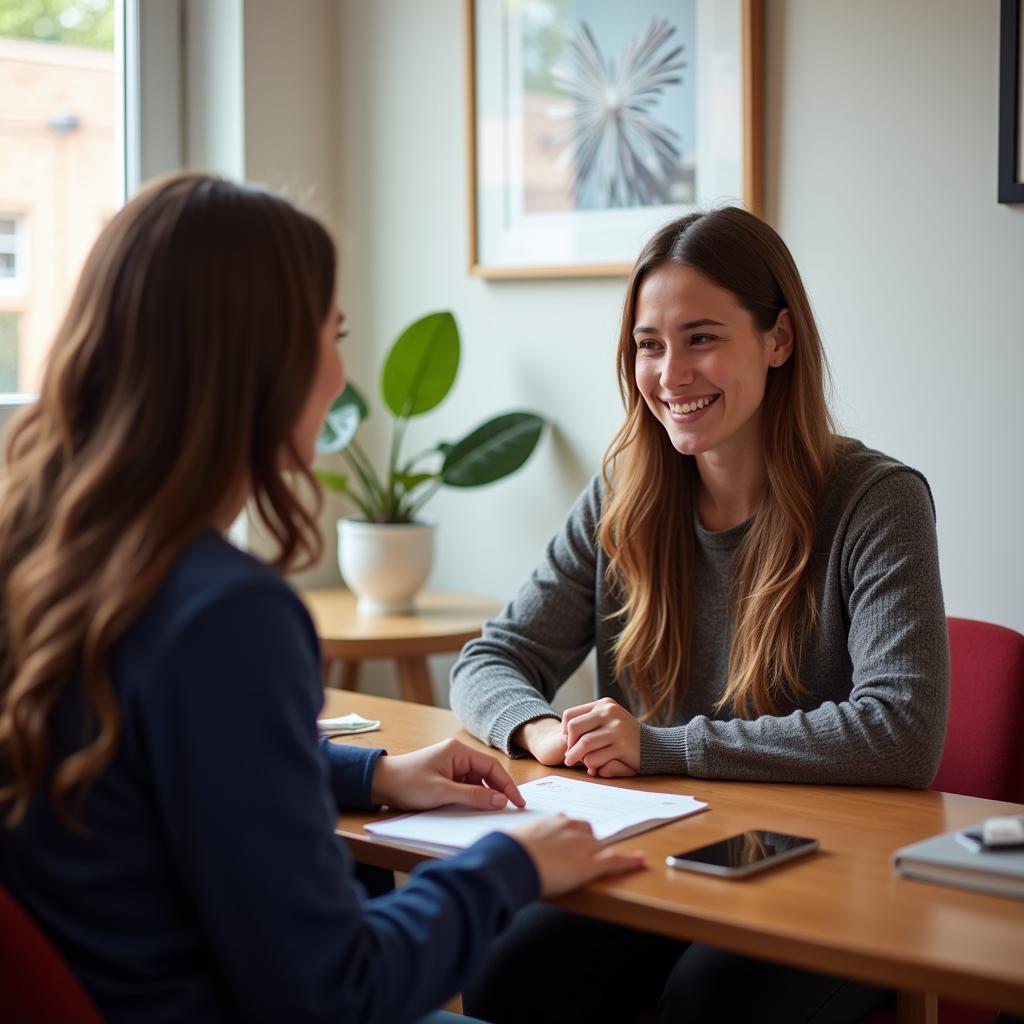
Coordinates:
[414,680]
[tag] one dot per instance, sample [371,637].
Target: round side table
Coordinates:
[441,624]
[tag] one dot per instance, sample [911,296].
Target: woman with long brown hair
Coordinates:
[762,594]
[167,810]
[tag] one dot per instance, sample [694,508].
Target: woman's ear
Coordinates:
[780,339]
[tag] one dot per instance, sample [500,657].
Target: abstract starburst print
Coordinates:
[617,147]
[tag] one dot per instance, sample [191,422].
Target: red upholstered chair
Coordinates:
[35,983]
[984,751]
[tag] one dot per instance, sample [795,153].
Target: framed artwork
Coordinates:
[594,122]
[1011,101]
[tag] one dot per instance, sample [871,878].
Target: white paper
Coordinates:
[612,812]
[345,725]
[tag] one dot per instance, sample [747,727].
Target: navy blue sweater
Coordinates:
[211,886]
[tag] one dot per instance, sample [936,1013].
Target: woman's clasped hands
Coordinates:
[601,736]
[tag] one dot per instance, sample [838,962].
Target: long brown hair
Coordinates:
[647,519]
[172,388]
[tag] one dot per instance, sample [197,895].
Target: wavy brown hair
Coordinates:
[648,514]
[171,390]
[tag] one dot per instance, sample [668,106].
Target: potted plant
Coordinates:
[385,551]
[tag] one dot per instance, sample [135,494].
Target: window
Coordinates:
[60,176]
[12,253]
[8,352]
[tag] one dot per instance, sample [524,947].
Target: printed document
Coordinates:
[613,813]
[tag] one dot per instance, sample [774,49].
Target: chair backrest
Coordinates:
[984,751]
[35,983]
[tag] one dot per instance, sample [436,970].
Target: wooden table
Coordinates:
[441,624]
[843,911]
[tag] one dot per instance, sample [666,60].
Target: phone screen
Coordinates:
[746,849]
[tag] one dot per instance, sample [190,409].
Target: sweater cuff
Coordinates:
[502,728]
[350,770]
[664,750]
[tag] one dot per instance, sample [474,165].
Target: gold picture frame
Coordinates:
[723,50]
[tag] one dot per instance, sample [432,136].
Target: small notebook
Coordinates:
[612,812]
[345,725]
[944,858]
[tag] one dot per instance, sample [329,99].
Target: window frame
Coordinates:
[17,285]
[148,45]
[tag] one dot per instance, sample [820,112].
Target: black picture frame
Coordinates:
[1011,102]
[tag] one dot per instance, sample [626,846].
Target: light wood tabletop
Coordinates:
[441,624]
[843,910]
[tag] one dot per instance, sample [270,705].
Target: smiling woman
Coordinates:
[736,331]
[683,367]
[763,596]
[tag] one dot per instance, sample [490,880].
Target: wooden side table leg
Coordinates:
[328,665]
[414,680]
[350,674]
[917,1008]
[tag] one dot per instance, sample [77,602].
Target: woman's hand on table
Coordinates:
[566,854]
[604,737]
[544,738]
[448,772]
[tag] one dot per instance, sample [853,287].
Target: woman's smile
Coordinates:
[686,410]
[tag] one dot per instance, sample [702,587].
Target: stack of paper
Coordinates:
[345,725]
[612,812]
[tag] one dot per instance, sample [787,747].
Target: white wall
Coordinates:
[291,101]
[881,129]
[291,135]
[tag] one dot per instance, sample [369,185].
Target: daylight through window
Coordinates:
[58,166]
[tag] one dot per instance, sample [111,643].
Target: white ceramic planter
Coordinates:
[385,564]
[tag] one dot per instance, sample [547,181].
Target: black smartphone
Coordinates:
[743,854]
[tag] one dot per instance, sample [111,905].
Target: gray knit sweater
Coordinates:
[876,667]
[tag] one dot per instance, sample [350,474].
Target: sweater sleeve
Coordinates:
[511,673]
[247,802]
[890,730]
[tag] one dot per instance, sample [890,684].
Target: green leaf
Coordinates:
[335,481]
[421,366]
[492,451]
[347,411]
[411,480]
